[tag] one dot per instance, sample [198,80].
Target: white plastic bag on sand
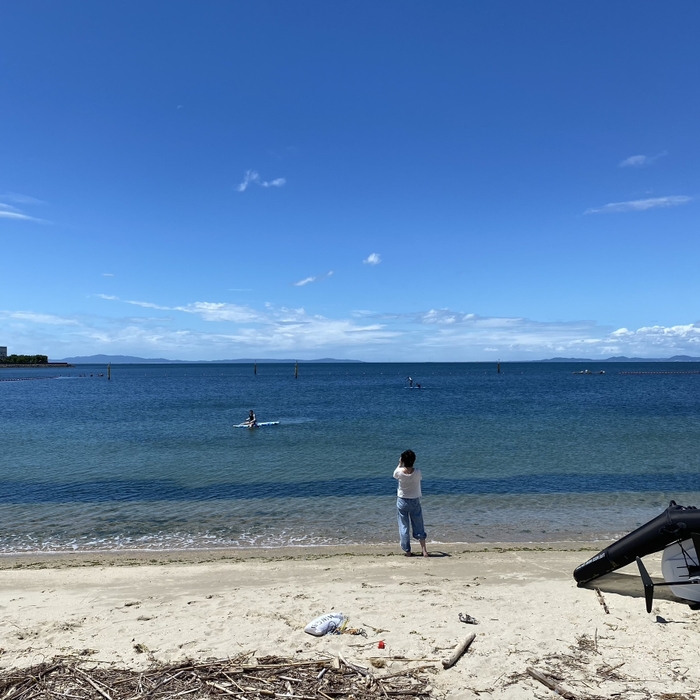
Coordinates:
[324,624]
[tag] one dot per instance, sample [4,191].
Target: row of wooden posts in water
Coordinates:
[255,369]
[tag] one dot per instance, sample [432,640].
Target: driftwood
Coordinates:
[559,690]
[457,653]
[405,672]
[354,667]
[601,600]
[272,677]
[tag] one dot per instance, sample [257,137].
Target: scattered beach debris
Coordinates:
[324,624]
[241,677]
[601,600]
[376,630]
[467,619]
[458,652]
[579,673]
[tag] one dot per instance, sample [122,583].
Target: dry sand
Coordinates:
[218,604]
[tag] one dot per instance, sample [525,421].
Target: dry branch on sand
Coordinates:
[241,677]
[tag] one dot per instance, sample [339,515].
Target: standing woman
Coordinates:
[408,503]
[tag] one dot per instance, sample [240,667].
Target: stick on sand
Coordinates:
[457,653]
[551,684]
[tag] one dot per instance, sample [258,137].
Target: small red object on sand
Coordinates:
[380,645]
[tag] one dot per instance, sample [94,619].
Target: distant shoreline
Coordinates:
[9,365]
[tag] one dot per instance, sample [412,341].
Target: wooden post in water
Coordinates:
[296,370]
[498,367]
[255,368]
[109,371]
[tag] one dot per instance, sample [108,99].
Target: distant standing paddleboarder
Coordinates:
[409,512]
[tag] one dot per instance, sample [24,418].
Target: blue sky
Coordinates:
[409,181]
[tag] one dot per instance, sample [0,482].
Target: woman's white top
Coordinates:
[409,484]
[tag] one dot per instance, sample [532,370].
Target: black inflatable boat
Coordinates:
[674,524]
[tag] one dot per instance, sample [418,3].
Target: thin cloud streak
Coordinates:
[640,161]
[20,198]
[18,216]
[209,311]
[310,280]
[304,282]
[253,177]
[44,319]
[7,211]
[640,204]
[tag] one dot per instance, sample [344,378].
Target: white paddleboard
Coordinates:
[257,425]
[674,567]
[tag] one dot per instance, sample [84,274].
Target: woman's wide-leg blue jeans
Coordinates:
[410,516]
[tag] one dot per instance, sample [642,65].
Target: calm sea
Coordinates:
[150,460]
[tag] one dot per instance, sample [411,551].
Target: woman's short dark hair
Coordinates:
[408,458]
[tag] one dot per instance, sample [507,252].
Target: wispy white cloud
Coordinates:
[309,280]
[47,319]
[209,311]
[19,198]
[253,177]
[640,204]
[640,161]
[19,216]
[7,211]
[231,331]
[372,259]
[108,274]
[212,311]
[634,161]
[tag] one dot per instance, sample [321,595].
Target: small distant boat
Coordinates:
[251,426]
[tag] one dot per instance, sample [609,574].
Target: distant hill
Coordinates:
[622,358]
[131,360]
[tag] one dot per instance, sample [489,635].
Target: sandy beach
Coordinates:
[133,610]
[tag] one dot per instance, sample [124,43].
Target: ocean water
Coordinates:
[150,460]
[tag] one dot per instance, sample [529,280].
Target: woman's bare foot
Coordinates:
[408,554]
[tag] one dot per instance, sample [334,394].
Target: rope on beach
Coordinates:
[243,677]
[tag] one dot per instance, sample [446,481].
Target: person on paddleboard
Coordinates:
[252,421]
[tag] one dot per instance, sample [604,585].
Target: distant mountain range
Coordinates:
[622,358]
[131,360]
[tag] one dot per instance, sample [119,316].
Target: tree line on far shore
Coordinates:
[25,360]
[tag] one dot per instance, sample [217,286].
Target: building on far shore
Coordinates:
[3,352]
